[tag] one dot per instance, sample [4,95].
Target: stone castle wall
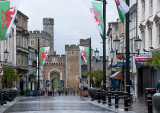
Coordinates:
[44,39]
[72,66]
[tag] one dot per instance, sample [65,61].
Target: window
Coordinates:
[143,9]
[143,39]
[32,42]
[158,5]
[150,7]
[150,36]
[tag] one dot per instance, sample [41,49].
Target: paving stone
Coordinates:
[57,104]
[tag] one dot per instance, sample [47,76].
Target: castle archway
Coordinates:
[55,80]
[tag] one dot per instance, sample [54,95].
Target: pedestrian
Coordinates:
[158,86]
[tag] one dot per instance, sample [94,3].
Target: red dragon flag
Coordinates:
[96,10]
[43,52]
[8,10]
[85,53]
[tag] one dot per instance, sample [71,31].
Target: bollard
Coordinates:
[129,101]
[125,101]
[104,96]
[10,95]
[5,97]
[109,98]
[99,100]
[92,95]
[116,99]
[2,100]
[149,99]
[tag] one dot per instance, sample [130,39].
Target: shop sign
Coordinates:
[121,64]
[142,58]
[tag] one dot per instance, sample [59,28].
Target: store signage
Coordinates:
[47,83]
[141,59]
[121,64]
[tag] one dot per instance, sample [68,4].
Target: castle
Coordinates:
[61,71]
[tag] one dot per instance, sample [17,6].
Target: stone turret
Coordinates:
[48,26]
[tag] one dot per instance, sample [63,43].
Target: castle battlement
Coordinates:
[48,21]
[71,48]
[84,42]
[39,34]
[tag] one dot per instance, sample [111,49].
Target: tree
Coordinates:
[96,77]
[155,60]
[9,76]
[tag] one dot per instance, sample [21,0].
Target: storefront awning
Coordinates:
[117,75]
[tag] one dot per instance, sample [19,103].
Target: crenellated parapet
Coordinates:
[84,42]
[48,21]
[71,48]
[39,34]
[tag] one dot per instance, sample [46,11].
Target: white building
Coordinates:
[149,32]
[10,46]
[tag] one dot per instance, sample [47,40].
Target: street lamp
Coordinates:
[112,54]
[137,45]
[6,53]
[127,53]
[116,44]
[96,54]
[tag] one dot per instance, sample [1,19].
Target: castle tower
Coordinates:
[73,66]
[48,26]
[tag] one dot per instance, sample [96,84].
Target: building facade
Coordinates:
[149,30]
[32,67]
[22,35]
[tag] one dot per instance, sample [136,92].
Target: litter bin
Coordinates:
[150,91]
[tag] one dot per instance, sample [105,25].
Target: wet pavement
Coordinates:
[56,104]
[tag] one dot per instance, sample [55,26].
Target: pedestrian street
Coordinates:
[58,104]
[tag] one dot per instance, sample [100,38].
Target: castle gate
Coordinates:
[55,80]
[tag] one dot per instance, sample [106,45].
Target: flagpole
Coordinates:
[104,52]
[38,64]
[90,58]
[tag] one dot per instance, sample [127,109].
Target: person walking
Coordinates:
[158,86]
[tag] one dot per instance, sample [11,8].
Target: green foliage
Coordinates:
[155,60]
[9,76]
[27,89]
[32,76]
[96,77]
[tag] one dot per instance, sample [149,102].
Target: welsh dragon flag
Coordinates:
[43,52]
[122,8]
[8,10]
[97,14]
[85,53]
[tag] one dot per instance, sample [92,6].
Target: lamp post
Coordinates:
[96,52]
[138,47]
[6,53]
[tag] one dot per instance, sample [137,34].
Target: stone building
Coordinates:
[22,44]
[32,67]
[64,69]
[45,38]
[149,32]
[48,26]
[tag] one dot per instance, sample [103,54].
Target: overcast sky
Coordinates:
[72,20]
